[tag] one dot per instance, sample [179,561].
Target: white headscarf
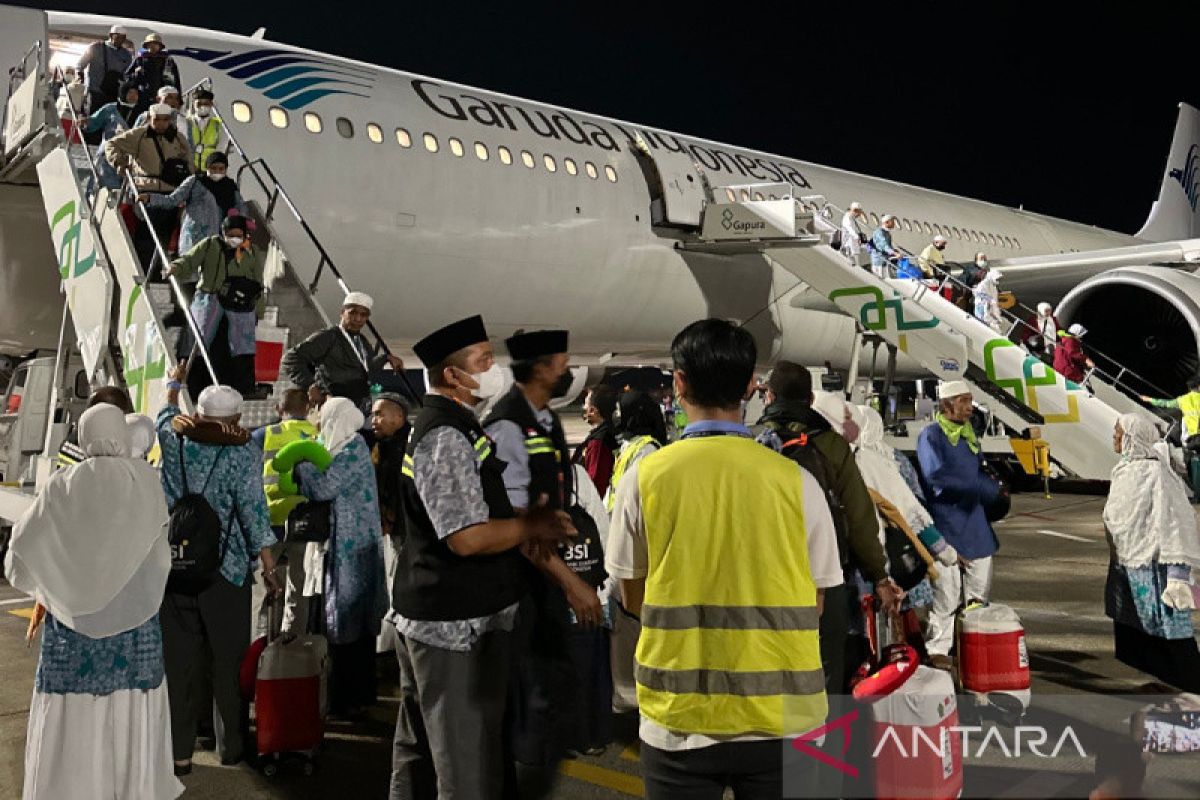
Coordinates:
[877,463]
[832,407]
[340,423]
[141,434]
[93,546]
[1148,514]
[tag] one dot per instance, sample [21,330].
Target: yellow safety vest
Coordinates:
[278,436]
[205,137]
[1189,404]
[623,461]
[729,626]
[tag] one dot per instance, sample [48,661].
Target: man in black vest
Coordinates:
[459,579]
[529,438]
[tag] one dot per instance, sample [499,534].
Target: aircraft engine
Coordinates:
[1144,318]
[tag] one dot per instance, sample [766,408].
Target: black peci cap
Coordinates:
[444,342]
[535,344]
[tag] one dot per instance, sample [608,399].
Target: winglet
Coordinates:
[1174,215]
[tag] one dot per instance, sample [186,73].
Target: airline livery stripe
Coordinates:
[298,84]
[229,62]
[743,618]
[740,684]
[251,70]
[312,95]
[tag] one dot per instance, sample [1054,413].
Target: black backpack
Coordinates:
[804,452]
[195,535]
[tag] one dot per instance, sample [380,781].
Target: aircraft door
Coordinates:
[677,189]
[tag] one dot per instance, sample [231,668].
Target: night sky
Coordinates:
[1068,114]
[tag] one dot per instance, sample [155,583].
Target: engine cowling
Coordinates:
[1144,318]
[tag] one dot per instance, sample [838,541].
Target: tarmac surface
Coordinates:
[1051,569]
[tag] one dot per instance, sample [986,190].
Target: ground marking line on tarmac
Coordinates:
[631,753]
[25,613]
[606,778]
[16,601]
[1072,537]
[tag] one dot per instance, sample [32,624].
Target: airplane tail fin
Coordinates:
[1175,214]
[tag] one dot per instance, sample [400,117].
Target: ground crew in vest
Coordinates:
[205,129]
[530,440]
[724,549]
[1189,404]
[293,426]
[459,580]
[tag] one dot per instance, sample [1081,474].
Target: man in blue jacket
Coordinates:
[883,252]
[958,490]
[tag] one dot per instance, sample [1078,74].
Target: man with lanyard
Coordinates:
[724,549]
[530,440]
[1189,405]
[340,356]
[459,579]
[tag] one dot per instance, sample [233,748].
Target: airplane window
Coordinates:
[957,233]
[548,160]
[758,195]
[431,143]
[374,133]
[590,168]
[974,236]
[242,111]
[772,196]
[1008,242]
[312,122]
[279,117]
[745,195]
[905,223]
[481,151]
[345,127]
[938,229]
[874,219]
[1017,242]
[402,138]
[991,238]
[456,147]
[571,168]
[527,158]
[610,173]
[505,155]
[928,228]
[730,194]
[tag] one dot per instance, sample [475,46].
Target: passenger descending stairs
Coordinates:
[114,308]
[1022,391]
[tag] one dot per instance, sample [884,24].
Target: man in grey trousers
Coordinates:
[459,579]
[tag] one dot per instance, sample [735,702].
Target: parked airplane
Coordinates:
[442,199]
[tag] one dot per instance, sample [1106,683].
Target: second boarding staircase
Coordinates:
[127,326]
[1020,389]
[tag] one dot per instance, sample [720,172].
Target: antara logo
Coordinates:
[1188,177]
[293,79]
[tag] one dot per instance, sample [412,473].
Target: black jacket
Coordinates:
[327,358]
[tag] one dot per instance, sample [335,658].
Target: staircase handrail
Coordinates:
[1022,322]
[131,190]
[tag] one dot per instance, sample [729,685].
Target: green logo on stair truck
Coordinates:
[71,262]
[1024,387]
[137,378]
[878,320]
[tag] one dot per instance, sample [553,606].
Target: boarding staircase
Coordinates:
[127,324]
[1026,394]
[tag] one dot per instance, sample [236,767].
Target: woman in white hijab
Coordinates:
[877,463]
[987,300]
[836,411]
[347,569]
[92,549]
[1154,548]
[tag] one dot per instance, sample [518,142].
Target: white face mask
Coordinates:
[216,176]
[234,241]
[491,383]
[981,263]
[203,111]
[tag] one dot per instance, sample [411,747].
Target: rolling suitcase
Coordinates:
[290,698]
[993,662]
